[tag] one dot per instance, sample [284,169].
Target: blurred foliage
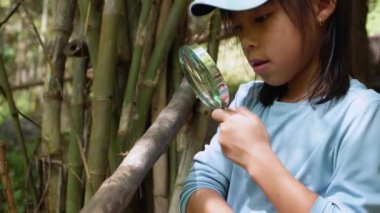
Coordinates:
[18,49]
[9,54]
[373,20]
[233,64]
[25,102]
[5,3]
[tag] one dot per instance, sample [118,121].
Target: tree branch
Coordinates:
[117,191]
[10,14]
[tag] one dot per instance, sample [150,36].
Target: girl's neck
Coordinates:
[301,86]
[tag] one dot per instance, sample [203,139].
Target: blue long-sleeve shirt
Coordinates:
[333,149]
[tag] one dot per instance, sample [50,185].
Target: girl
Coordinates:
[307,139]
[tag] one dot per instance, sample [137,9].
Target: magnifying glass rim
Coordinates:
[193,55]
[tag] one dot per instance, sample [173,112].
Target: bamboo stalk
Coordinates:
[91,19]
[161,168]
[78,51]
[123,47]
[147,50]
[116,192]
[104,80]
[150,79]
[114,152]
[5,88]
[124,60]
[176,67]
[189,151]
[4,172]
[195,139]
[133,9]
[74,181]
[149,39]
[215,28]
[51,142]
[134,71]
[176,79]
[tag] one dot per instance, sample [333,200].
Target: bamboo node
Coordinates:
[76,48]
[77,103]
[125,120]
[101,98]
[124,154]
[150,83]
[141,35]
[52,95]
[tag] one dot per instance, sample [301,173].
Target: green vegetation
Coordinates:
[373,20]
[25,102]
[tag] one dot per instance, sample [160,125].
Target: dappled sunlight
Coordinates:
[373,18]
[233,64]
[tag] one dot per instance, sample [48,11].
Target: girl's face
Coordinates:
[274,46]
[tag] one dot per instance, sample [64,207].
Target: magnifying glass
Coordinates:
[204,76]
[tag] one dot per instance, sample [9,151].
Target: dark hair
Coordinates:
[332,80]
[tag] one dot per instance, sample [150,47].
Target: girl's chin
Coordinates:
[274,82]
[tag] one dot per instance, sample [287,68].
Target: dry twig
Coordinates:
[6,180]
[13,11]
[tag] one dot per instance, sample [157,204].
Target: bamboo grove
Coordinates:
[134,123]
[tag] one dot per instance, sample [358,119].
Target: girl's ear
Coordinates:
[324,9]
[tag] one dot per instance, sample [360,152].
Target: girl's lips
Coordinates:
[259,65]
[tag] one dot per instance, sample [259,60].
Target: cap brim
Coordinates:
[203,7]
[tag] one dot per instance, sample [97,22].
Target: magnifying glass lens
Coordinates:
[204,76]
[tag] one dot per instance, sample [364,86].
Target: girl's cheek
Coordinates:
[245,51]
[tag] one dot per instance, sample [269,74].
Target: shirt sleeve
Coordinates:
[355,183]
[211,169]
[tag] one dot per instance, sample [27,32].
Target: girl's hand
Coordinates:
[243,137]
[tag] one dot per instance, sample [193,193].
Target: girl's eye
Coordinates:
[262,18]
[237,29]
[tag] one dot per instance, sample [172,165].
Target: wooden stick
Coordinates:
[117,191]
[6,180]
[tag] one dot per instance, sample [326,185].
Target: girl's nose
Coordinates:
[248,46]
[248,43]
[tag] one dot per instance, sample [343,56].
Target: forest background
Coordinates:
[81,83]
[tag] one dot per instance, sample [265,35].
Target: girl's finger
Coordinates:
[220,115]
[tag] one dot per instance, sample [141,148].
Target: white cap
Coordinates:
[203,7]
